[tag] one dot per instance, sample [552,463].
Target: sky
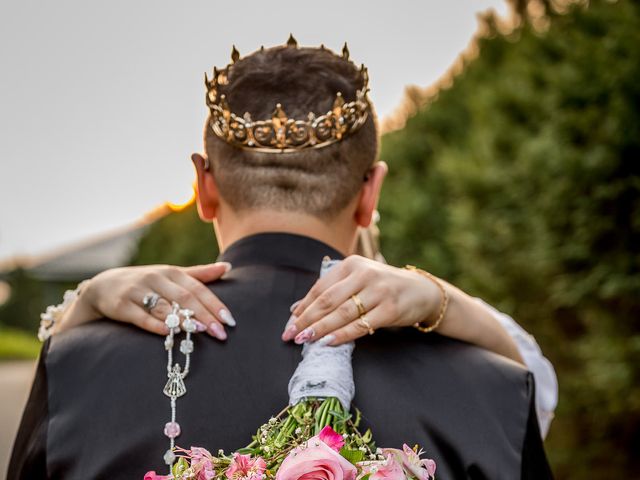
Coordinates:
[102,103]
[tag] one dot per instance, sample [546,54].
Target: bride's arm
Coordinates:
[118,294]
[396,297]
[392,297]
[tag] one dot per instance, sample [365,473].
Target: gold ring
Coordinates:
[366,324]
[359,305]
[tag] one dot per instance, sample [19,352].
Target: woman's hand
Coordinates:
[118,294]
[391,297]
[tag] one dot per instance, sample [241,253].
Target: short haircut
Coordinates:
[320,181]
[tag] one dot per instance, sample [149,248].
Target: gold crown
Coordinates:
[280,133]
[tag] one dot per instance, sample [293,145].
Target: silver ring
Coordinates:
[150,300]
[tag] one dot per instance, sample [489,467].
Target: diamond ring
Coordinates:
[150,300]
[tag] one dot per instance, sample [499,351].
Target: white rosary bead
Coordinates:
[186,346]
[172,320]
[175,386]
[189,325]
[169,457]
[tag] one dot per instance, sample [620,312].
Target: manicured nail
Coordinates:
[227,318]
[200,327]
[227,266]
[294,305]
[305,335]
[326,340]
[217,331]
[290,329]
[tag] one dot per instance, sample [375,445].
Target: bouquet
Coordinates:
[316,437]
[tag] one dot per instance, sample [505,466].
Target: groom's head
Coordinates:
[319,182]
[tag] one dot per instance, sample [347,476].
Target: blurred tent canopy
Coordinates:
[518,180]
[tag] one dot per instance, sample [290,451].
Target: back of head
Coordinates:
[318,181]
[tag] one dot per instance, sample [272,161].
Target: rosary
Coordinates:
[175,387]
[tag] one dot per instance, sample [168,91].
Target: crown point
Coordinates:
[206,80]
[292,42]
[278,113]
[322,47]
[235,54]
[345,51]
[262,48]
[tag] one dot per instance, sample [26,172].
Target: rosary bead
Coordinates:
[189,325]
[172,429]
[169,457]
[172,320]
[186,346]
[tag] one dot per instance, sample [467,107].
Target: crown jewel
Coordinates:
[280,133]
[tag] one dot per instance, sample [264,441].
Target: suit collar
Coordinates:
[279,249]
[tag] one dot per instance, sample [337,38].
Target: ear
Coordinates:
[207,196]
[370,193]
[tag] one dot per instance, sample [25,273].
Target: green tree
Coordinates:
[521,184]
[25,303]
[179,238]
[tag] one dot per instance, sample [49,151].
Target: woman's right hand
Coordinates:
[118,294]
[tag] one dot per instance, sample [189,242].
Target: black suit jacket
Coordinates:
[97,409]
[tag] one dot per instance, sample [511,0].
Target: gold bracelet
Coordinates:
[443,304]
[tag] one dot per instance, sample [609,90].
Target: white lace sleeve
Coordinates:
[542,369]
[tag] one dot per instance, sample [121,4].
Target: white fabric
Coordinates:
[324,371]
[542,369]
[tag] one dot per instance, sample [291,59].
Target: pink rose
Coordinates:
[316,460]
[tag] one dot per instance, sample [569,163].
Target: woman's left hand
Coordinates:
[390,296]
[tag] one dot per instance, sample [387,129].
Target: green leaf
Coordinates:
[352,455]
[179,467]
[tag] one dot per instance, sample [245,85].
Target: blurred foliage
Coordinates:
[520,183]
[18,344]
[180,238]
[23,308]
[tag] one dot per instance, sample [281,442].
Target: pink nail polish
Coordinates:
[200,327]
[217,331]
[289,332]
[305,335]
[290,329]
